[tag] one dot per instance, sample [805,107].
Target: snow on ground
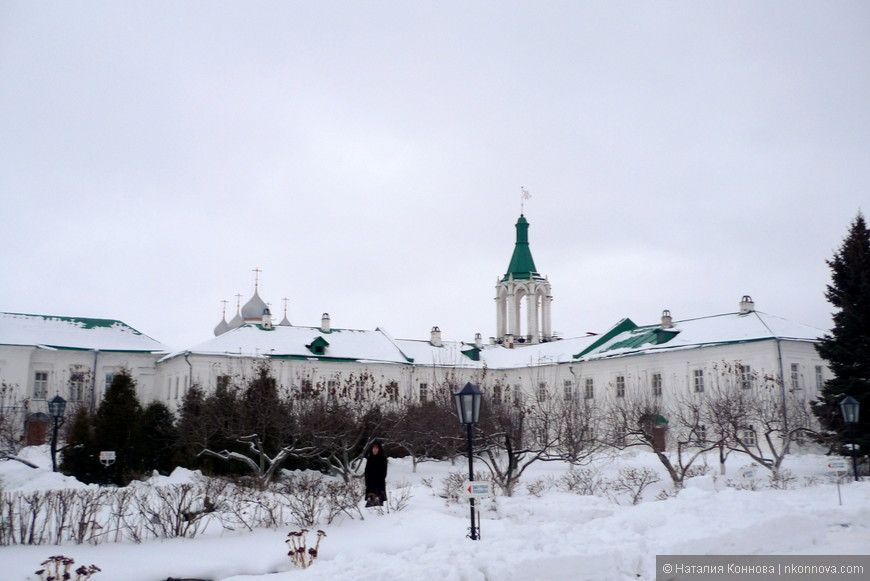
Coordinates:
[554,536]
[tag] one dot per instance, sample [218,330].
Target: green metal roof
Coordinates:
[522,265]
[645,336]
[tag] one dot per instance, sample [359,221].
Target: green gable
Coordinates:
[318,346]
[621,327]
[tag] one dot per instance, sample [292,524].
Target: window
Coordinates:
[177,381]
[306,388]
[496,393]
[110,379]
[698,380]
[657,384]
[518,394]
[589,389]
[393,391]
[587,434]
[223,382]
[76,386]
[795,376]
[40,384]
[620,386]
[700,434]
[820,377]
[359,393]
[331,388]
[542,392]
[745,377]
[748,436]
[424,392]
[569,390]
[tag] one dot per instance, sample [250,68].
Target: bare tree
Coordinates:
[676,435]
[12,412]
[760,419]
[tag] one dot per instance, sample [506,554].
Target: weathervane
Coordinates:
[524,195]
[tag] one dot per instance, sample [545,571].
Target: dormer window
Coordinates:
[318,346]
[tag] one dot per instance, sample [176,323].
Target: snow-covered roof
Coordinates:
[74,333]
[252,340]
[626,338]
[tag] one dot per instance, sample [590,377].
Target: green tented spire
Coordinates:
[522,264]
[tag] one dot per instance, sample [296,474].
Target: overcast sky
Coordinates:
[368,158]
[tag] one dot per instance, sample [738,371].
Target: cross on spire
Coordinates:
[257,272]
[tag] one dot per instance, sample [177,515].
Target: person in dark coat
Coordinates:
[376,476]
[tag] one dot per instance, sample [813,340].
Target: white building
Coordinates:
[76,358]
[42,356]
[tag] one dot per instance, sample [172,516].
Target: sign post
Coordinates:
[838,466]
[107,458]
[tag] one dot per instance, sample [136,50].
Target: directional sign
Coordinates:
[482,489]
[837,465]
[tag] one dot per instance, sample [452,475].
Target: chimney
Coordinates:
[478,341]
[435,339]
[325,323]
[267,318]
[667,320]
[746,304]
[509,340]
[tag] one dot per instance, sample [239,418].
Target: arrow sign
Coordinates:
[838,465]
[482,489]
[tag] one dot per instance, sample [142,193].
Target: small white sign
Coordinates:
[747,474]
[107,455]
[837,465]
[482,489]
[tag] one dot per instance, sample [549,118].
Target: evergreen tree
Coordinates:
[80,457]
[263,411]
[115,428]
[193,428]
[156,438]
[847,348]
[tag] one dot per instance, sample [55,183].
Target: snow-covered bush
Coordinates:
[634,481]
[584,482]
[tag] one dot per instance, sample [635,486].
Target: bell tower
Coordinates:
[522,288]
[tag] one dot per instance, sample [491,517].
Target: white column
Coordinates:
[546,299]
[532,306]
[514,312]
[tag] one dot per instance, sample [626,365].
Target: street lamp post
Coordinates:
[468,407]
[851,407]
[56,409]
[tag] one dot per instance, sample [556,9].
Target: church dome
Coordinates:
[236,322]
[254,308]
[221,328]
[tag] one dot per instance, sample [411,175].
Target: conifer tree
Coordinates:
[115,428]
[847,347]
[156,438]
[80,456]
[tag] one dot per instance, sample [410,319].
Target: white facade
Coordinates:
[43,356]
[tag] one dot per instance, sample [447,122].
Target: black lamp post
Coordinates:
[851,407]
[56,409]
[468,407]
